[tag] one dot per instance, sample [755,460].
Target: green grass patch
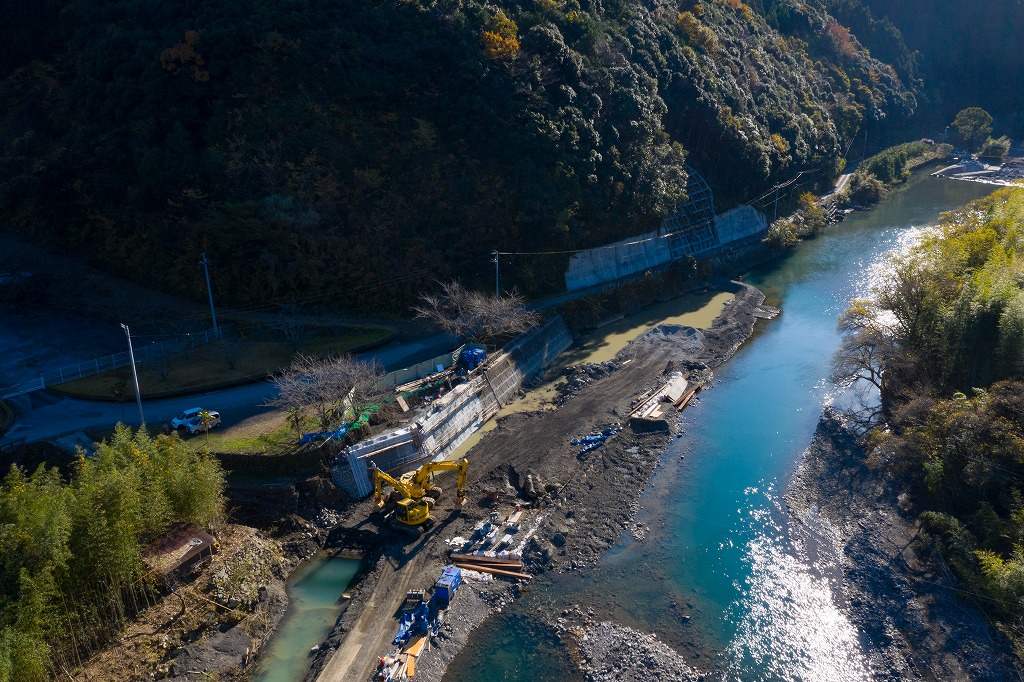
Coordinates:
[264,435]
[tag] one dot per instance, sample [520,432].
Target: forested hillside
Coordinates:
[969,52]
[348,150]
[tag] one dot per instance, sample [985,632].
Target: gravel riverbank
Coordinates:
[913,624]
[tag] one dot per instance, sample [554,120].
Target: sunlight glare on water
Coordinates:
[877,272]
[788,626]
[724,579]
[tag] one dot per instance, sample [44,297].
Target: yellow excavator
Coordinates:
[415,493]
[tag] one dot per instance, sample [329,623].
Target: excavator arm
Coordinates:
[379,479]
[423,477]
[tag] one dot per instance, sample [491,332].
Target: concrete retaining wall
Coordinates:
[739,223]
[454,417]
[613,261]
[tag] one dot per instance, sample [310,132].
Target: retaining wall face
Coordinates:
[456,416]
[739,223]
[617,260]
[394,450]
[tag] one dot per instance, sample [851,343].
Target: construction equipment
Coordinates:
[415,493]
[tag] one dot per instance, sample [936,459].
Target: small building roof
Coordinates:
[176,547]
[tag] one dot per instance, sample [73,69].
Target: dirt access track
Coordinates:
[585,501]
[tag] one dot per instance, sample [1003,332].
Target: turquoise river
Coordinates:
[718,576]
[314,604]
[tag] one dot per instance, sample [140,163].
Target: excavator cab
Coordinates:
[412,512]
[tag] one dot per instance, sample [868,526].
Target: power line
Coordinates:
[270,304]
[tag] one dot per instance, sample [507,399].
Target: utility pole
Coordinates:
[209,290]
[775,216]
[135,374]
[495,259]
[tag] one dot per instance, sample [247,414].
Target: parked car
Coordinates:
[185,417]
[195,425]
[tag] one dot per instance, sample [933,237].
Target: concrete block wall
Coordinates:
[539,348]
[391,452]
[613,261]
[454,417]
[739,223]
[449,418]
[636,254]
[503,378]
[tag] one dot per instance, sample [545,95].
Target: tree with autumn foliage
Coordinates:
[500,39]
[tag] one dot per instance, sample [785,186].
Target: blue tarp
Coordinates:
[324,435]
[414,622]
[472,357]
[594,440]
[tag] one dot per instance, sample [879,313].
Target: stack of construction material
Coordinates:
[507,567]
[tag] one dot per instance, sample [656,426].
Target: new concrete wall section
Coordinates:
[613,261]
[451,419]
[739,223]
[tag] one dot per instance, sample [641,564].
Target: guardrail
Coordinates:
[143,354]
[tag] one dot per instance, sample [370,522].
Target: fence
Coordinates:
[143,354]
[425,368]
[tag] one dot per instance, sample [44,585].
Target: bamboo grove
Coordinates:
[71,571]
[943,341]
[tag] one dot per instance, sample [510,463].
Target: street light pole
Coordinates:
[497,293]
[135,374]
[209,291]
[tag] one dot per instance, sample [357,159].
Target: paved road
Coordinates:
[45,414]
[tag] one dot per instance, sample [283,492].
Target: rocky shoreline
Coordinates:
[911,621]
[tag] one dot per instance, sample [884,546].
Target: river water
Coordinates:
[314,604]
[719,577]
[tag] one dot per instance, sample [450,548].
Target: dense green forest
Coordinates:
[71,570]
[346,152]
[944,342]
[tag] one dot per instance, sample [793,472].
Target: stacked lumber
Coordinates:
[685,399]
[499,566]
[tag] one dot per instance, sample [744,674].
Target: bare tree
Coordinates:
[233,348]
[333,389]
[292,325]
[474,316]
[862,358]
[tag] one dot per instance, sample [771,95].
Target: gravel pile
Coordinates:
[610,652]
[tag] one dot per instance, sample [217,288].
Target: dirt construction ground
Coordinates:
[597,491]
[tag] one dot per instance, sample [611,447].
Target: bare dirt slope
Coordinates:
[595,492]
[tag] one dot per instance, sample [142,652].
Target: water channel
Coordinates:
[314,604]
[718,576]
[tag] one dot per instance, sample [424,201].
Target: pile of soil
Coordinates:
[914,626]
